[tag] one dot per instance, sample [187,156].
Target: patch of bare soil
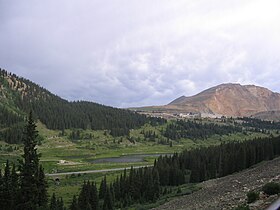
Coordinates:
[230,191]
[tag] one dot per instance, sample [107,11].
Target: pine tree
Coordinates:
[94,200]
[29,168]
[83,199]
[14,186]
[103,188]
[156,184]
[42,188]
[108,200]
[1,189]
[53,204]
[74,204]
[59,204]
[7,194]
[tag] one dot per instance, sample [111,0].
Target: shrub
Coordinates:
[179,190]
[242,207]
[271,188]
[252,196]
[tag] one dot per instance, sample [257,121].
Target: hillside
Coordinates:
[18,96]
[225,100]
[230,191]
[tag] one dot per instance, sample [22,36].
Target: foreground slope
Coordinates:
[230,191]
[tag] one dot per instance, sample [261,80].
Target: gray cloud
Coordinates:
[134,53]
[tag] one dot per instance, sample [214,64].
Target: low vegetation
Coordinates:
[271,188]
[252,196]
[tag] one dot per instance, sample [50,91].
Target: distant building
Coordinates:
[190,115]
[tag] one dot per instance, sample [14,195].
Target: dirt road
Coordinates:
[93,171]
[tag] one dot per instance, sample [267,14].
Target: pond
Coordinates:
[126,158]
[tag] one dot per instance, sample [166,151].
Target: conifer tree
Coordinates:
[32,180]
[7,194]
[1,189]
[59,204]
[83,199]
[42,188]
[108,200]
[94,200]
[103,188]
[53,204]
[14,186]
[74,204]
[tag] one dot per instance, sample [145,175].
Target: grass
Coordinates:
[70,185]
[80,153]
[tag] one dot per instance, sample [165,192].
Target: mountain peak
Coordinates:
[230,99]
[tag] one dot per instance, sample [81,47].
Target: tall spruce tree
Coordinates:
[53,203]
[108,200]
[1,188]
[42,187]
[14,186]
[7,195]
[103,188]
[74,205]
[32,181]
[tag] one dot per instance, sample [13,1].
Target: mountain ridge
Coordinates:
[18,96]
[227,99]
[231,99]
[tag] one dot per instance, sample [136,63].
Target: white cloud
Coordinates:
[134,53]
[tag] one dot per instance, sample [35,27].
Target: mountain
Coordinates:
[227,100]
[18,96]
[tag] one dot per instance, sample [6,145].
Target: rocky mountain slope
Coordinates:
[230,191]
[226,99]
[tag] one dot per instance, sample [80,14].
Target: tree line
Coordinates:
[136,186]
[259,124]
[146,185]
[216,161]
[59,114]
[194,130]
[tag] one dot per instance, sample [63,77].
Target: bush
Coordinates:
[179,190]
[271,188]
[252,196]
[242,207]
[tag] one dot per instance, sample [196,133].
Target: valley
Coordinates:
[139,105]
[61,154]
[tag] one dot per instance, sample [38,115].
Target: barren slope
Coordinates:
[229,191]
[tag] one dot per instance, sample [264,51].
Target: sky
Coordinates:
[128,53]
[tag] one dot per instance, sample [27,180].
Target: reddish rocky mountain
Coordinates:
[228,100]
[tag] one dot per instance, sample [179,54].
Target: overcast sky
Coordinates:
[128,53]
